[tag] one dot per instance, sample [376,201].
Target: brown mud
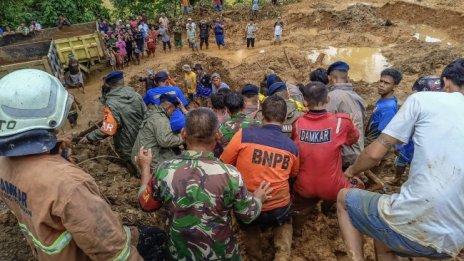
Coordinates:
[378,27]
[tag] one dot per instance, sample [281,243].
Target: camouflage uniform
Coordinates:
[236,122]
[156,133]
[292,114]
[127,108]
[198,191]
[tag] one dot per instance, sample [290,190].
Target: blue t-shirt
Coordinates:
[407,151]
[177,118]
[223,85]
[383,113]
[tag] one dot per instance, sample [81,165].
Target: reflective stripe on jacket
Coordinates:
[59,244]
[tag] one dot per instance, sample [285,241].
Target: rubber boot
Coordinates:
[283,242]
[252,240]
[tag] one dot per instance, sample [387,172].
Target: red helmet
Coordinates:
[427,84]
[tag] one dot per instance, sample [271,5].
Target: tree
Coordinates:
[46,12]
[123,9]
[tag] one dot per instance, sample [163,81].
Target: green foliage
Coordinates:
[123,9]
[46,12]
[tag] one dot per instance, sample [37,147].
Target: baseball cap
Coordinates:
[170,98]
[339,66]
[250,89]
[198,66]
[161,76]
[150,72]
[276,87]
[114,76]
[428,83]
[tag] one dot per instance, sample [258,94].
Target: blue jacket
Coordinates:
[177,118]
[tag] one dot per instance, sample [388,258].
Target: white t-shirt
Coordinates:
[278,29]
[194,26]
[429,209]
[164,21]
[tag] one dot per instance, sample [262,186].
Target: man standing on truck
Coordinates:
[74,76]
[62,21]
[22,29]
[123,114]
[59,207]
[35,26]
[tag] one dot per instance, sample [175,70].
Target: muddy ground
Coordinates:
[417,37]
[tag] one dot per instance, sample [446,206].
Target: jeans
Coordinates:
[168,43]
[364,215]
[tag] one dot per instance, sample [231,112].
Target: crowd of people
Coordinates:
[129,41]
[21,29]
[267,152]
[34,27]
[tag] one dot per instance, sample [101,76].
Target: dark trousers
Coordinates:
[168,43]
[191,97]
[205,41]
[251,41]
[272,218]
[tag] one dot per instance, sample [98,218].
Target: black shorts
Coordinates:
[272,218]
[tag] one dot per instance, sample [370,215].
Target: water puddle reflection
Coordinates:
[365,63]
[431,35]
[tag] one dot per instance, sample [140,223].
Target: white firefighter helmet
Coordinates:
[33,104]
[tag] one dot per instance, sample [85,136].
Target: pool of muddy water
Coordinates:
[432,35]
[365,63]
[238,56]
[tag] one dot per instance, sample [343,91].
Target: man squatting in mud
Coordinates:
[425,219]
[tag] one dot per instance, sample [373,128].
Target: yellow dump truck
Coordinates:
[48,49]
[38,55]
